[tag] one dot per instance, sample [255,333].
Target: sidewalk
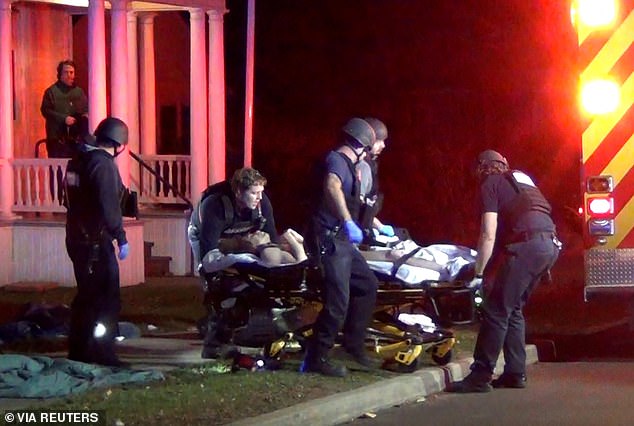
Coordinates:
[347,406]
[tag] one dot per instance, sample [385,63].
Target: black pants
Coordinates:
[349,298]
[97,301]
[503,326]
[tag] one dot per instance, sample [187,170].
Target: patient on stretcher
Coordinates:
[406,261]
[257,247]
[414,264]
[289,251]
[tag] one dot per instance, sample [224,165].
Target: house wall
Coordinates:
[6,263]
[168,231]
[39,253]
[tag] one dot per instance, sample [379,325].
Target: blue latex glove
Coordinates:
[124,251]
[387,230]
[355,235]
[475,283]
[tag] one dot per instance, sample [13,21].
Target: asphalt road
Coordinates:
[611,344]
[571,393]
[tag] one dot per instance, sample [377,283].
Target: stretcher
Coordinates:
[274,307]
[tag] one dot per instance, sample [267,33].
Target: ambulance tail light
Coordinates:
[595,14]
[601,227]
[600,96]
[600,184]
[600,206]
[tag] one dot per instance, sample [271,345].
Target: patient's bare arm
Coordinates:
[292,251]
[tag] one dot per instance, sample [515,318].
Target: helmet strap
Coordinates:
[359,154]
[117,151]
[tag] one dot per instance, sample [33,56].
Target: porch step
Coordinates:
[155,266]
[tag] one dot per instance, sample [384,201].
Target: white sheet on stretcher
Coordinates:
[450,259]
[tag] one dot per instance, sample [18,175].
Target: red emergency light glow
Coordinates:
[600,96]
[595,13]
[601,206]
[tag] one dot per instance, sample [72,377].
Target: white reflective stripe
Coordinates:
[522,178]
[99,331]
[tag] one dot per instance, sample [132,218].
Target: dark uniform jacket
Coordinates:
[219,217]
[93,190]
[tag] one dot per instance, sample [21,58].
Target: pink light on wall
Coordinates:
[249,83]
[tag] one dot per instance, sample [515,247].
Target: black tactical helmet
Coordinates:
[111,132]
[360,132]
[489,156]
[379,128]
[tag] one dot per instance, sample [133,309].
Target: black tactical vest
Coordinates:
[529,198]
[233,225]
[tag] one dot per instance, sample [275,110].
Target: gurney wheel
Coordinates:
[407,368]
[441,360]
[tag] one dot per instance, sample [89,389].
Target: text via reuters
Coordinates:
[61,417]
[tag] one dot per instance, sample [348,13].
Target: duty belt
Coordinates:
[531,235]
[335,233]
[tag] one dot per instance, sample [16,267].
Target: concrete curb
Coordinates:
[347,406]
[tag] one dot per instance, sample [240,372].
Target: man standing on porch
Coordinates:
[65,108]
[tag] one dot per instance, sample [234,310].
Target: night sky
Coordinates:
[448,77]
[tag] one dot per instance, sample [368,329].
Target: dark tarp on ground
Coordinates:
[43,377]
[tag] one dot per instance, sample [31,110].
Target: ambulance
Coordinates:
[605,30]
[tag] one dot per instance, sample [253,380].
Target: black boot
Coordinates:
[214,339]
[317,361]
[322,365]
[510,380]
[475,382]
[362,358]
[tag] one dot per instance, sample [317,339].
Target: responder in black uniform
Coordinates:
[349,290]
[93,193]
[515,225]
[228,209]
[231,208]
[371,198]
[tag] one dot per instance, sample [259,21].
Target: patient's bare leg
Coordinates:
[295,241]
[393,255]
[274,256]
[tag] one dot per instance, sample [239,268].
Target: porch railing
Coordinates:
[38,181]
[38,184]
[175,169]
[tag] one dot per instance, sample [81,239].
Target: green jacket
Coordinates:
[60,101]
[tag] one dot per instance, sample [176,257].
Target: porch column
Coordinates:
[216,97]
[133,97]
[119,91]
[198,103]
[248,97]
[6,112]
[147,84]
[97,108]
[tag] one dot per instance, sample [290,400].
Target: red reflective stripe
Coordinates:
[624,191]
[628,241]
[612,143]
[591,46]
[622,69]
